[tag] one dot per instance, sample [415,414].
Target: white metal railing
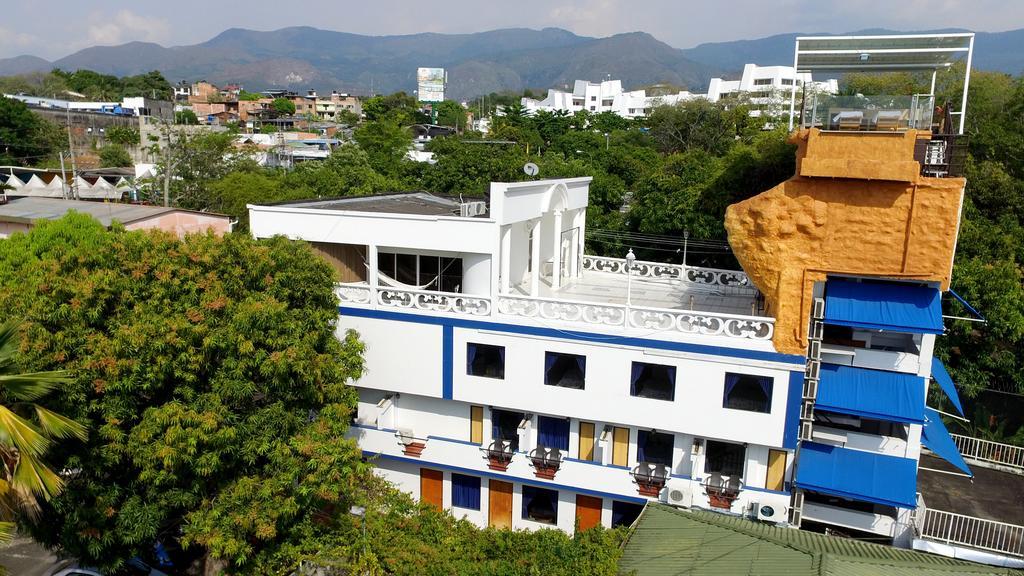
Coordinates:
[353,293]
[988,451]
[563,310]
[960,530]
[684,321]
[434,301]
[693,274]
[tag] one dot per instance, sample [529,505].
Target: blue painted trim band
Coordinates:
[447,352]
[505,478]
[572,335]
[780,492]
[368,427]
[590,462]
[455,441]
[791,428]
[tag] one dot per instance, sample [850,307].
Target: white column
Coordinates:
[371,273]
[506,258]
[574,247]
[556,257]
[535,259]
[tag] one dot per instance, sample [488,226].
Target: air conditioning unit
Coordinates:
[679,493]
[769,513]
[814,349]
[817,330]
[818,309]
[813,369]
[471,209]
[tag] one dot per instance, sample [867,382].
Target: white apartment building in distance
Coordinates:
[766,88]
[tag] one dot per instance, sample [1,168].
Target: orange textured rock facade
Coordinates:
[857,207]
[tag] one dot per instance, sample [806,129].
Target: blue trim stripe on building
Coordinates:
[507,478]
[791,428]
[573,335]
[447,354]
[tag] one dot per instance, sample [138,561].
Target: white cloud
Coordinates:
[596,18]
[125,26]
[11,39]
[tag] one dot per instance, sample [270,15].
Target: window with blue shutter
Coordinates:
[553,432]
[465,491]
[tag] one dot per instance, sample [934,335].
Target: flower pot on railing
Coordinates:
[499,455]
[546,462]
[650,478]
[411,446]
[721,494]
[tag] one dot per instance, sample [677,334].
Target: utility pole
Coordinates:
[71,154]
[64,178]
[167,171]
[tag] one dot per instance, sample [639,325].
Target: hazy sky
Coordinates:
[55,28]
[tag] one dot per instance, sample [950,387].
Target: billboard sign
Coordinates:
[430,84]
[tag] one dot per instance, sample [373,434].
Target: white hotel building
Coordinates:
[519,382]
[503,380]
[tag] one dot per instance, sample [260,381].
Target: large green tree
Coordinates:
[210,371]
[25,138]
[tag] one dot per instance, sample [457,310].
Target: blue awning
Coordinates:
[857,475]
[883,306]
[875,394]
[936,438]
[941,375]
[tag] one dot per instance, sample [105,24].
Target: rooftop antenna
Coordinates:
[531,169]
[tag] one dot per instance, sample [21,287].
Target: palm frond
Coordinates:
[6,532]
[8,342]
[33,475]
[21,434]
[31,386]
[53,425]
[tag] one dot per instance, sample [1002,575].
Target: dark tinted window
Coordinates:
[485,360]
[565,370]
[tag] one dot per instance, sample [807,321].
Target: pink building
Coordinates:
[21,214]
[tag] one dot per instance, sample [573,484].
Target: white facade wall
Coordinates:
[413,364]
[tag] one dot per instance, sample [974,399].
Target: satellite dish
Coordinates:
[531,169]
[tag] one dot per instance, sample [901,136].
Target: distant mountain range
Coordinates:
[300,58]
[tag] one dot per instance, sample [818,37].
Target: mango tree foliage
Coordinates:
[209,372]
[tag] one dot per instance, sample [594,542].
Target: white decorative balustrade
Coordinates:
[658,270]
[960,530]
[683,321]
[434,301]
[690,322]
[594,313]
[991,452]
[353,293]
[562,310]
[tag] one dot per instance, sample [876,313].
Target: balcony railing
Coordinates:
[991,452]
[879,113]
[658,270]
[960,530]
[587,312]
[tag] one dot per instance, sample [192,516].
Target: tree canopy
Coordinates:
[210,371]
[26,138]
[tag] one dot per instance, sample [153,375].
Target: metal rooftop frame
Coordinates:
[884,53]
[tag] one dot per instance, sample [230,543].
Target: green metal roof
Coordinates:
[669,541]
